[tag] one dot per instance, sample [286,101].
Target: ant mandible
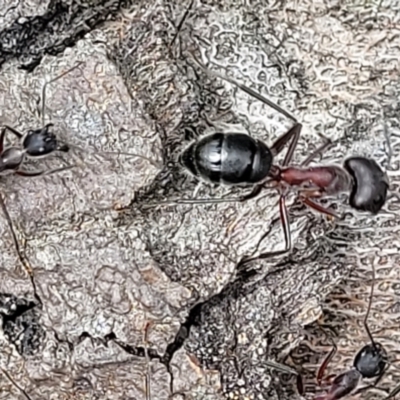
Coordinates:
[369,362]
[34,144]
[238,159]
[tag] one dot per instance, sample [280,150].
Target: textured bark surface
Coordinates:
[105,294]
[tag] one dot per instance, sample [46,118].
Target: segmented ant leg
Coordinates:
[2,137]
[254,193]
[30,174]
[393,393]
[374,384]
[317,152]
[321,209]
[14,131]
[325,363]
[280,367]
[284,368]
[178,29]
[52,81]
[292,134]
[286,230]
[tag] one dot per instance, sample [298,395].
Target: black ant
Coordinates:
[369,362]
[34,144]
[238,159]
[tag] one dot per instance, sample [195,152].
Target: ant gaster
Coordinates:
[370,362]
[34,144]
[238,159]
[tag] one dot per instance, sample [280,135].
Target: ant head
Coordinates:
[187,159]
[11,159]
[370,184]
[370,361]
[41,142]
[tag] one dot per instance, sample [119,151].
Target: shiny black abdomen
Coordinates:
[230,158]
[370,184]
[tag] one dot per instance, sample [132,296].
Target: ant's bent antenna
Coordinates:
[51,81]
[179,27]
[245,89]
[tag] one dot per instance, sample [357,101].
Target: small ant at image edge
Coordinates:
[370,362]
[35,144]
[238,159]
[42,142]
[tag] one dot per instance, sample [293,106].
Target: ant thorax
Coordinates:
[329,180]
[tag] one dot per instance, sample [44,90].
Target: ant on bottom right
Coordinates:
[370,362]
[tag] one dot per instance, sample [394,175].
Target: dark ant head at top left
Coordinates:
[35,143]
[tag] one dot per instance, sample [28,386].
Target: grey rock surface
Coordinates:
[109,299]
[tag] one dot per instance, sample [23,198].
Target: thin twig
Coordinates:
[51,81]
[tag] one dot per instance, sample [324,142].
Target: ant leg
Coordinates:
[254,193]
[393,393]
[30,174]
[178,29]
[2,137]
[317,152]
[369,307]
[53,80]
[285,369]
[317,207]
[325,363]
[377,380]
[292,134]
[14,131]
[286,230]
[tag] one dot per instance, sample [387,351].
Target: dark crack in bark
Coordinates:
[21,323]
[61,26]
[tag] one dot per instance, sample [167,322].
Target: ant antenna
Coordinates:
[51,81]
[118,153]
[178,29]
[369,307]
[245,89]
[389,145]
